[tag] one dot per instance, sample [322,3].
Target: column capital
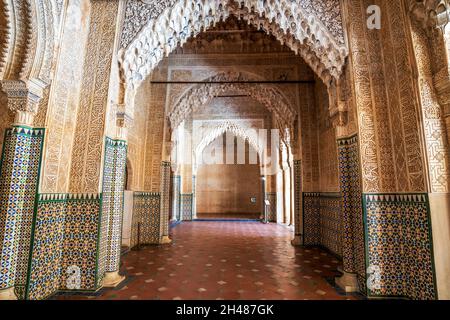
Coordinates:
[339,94]
[430,14]
[123,119]
[23,98]
[123,122]
[441,81]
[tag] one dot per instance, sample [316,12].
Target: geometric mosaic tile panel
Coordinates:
[322,222]
[399,246]
[81,241]
[271,209]
[48,244]
[331,222]
[146,218]
[66,235]
[186,206]
[19,178]
[311,219]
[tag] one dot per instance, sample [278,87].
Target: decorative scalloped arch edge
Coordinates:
[304,34]
[231,127]
[197,95]
[28,50]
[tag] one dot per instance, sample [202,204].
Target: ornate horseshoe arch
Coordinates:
[247,134]
[31,30]
[316,34]
[268,95]
[28,49]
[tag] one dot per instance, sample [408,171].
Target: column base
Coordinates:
[297,241]
[348,282]
[112,279]
[165,240]
[8,294]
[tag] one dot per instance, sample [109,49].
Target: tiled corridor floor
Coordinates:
[226,260]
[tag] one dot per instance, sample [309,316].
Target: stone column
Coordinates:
[19,180]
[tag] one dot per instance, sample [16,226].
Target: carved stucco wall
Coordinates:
[137,136]
[62,104]
[309,139]
[434,125]
[155,130]
[328,159]
[346,101]
[89,132]
[391,151]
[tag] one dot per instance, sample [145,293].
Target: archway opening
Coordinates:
[235,80]
[228,183]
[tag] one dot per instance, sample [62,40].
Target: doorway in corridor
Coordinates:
[228,184]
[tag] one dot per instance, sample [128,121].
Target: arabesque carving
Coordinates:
[30,39]
[269,95]
[324,50]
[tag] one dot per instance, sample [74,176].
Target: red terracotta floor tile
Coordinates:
[226,260]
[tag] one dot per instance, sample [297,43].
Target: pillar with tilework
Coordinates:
[19,180]
[298,204]
[176,199]
[270,196]
[287,194]
[112,210]
[263,199]
[165,201]
[353,278]
[194,197]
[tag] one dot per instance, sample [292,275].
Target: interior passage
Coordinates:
[226,260]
